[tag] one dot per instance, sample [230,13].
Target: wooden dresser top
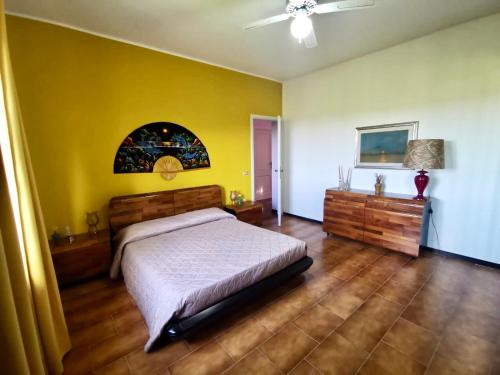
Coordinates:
[80,241]
[382,196]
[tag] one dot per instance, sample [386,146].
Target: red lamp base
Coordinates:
[421,181]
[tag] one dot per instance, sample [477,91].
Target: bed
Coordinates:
[184,260]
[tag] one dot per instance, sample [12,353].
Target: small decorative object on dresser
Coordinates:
[249,212]
[87,256]
[424,154]
[69,234]
[55,237]
[92,221]
[233,195]
[378,183]
[393,221]
[344,185]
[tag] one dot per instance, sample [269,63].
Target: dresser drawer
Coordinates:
[253,216]
[344,218]
[395,206]
[393,230]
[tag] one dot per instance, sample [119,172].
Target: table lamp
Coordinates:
[424,154]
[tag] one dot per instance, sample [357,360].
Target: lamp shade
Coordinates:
[424,154]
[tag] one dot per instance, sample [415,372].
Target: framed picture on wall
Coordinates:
[384,146]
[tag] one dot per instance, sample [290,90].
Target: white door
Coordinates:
[279,168]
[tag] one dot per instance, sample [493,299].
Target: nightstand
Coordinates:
[249,212]
[88,256]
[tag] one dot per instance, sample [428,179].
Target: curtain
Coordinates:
[33,331]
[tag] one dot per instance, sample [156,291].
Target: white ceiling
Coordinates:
[211,30]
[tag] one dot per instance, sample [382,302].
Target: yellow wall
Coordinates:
[81,95]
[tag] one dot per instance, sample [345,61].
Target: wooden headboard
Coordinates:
[130,209]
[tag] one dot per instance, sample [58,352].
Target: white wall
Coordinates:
[449,81]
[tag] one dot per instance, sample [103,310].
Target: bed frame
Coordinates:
[131,209]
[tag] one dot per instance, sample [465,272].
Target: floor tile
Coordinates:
[304,368]
[118,367]
[345,300]
[321,285]
[366,327]
[393,260]
[379,308]
[277,314]
[446,366]
[77,362]
[209,359]
[118,345]
[366,256]
[336,355]
[376,274]
[318,322]
[428,316]
[481,303]
[466,348]
[437,298]
[90,289]
[411,275]
[92,334]
[142,363]
[396,292]
[474,323]
[299,298]
[84,317]
[254,363]
[412,340]
[126,317]
[288,347]
[361,287]
[88,300]
[242,338]
[342,302]
[455,284]
[386,360]
[345,271]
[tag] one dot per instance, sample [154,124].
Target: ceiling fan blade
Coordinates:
[340,6]
[310,41]
[267,21]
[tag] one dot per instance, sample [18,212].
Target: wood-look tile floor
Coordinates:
[358,310]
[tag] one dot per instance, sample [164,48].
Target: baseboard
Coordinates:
[303,218]
[462,257]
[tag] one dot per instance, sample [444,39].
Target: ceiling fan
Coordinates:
[301,10]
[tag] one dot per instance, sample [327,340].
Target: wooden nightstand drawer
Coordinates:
[249,212]
[86,257]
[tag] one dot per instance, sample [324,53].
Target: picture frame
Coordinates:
[383,146]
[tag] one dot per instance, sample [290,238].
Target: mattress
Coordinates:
[174,267]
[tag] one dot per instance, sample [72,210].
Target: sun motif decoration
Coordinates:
[161,147]
[168,166]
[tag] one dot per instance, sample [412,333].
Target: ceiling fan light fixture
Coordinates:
[301,27]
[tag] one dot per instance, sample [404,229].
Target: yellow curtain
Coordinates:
[33,331]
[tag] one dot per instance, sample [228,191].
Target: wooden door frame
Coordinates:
[252,164]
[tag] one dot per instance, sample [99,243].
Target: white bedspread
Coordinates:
[177,266]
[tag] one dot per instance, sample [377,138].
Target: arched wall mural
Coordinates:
[161,147]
